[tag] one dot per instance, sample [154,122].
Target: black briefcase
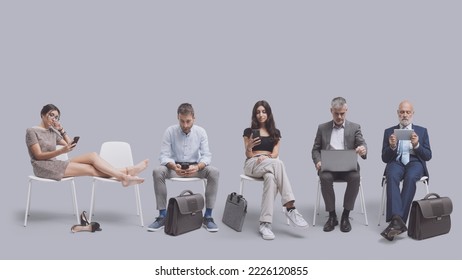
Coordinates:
[184,213]
[430,217]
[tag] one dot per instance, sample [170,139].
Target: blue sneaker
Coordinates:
[209,224]
[158,224]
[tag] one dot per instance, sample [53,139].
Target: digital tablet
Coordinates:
[403,134]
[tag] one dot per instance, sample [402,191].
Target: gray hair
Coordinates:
[338,102]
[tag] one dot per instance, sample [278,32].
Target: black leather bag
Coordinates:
[184,213]
[235,211]
[430,217]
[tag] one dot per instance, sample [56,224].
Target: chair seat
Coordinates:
[185,179]
[50,180]
[243,176]
[190,179]
[109,180]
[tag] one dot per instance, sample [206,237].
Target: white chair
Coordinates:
[361,197]
[67,179]
[423,180]
[118,154]
[253,179]
[189,179]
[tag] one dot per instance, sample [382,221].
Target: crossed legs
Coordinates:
[91,164]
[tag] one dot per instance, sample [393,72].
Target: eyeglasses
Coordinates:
[53,116]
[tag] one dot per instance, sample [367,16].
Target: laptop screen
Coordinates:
[339,160]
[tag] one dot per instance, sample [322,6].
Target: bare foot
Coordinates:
[129,180]
[137,169]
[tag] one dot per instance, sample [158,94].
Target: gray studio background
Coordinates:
[119,69]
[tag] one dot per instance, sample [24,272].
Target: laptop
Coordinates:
[339,160]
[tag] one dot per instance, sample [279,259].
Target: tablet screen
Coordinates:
[403,134]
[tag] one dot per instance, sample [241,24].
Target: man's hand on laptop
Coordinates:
[318,166]
[361,150]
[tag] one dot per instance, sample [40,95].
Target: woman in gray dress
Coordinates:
[41,142]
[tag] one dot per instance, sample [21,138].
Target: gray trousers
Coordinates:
[161,173]
[275,181]
[352,179]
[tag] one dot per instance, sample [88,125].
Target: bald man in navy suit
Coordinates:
[406,161]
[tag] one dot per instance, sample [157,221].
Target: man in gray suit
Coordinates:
[338,134]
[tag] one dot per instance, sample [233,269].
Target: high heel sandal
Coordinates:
[85,225]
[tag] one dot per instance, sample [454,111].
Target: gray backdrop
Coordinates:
[119,69]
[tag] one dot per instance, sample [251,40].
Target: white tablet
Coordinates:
[403,134]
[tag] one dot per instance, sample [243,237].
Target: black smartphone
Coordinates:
[184,166]
[255,133]
[76,139]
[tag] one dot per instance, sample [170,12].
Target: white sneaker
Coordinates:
[296,218]
[265,230]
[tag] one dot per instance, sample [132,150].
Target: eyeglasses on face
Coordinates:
[51,115]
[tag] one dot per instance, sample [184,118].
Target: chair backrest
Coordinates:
[118,154]
[64,156]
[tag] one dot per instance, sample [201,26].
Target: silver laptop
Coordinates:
[339,160]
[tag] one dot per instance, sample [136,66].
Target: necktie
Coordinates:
[404,150]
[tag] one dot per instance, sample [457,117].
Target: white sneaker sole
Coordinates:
[155,229]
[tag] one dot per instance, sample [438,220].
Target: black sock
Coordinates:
[346,213]
[332,214]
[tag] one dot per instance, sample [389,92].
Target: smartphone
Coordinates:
[76,139]
[184,166]
[255,133]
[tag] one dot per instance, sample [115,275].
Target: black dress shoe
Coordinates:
[345,225]
[330,224]
[396,226]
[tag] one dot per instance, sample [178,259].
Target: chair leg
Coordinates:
[74,201]
[241,187]
[138,204]
[363,203]
[204,184]
[426,185]
[316,205]
[92,202]
[383,201]
[28,202]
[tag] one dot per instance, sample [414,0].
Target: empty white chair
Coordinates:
[38,179]
[118,154]
[361,198]
[423,180]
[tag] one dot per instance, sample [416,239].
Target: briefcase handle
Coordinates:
[239,197]
[186,191]
[431,194]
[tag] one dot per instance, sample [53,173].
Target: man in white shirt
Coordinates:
[185,153]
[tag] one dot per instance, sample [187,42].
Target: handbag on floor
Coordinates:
[235,211]
[184,213]
[430,217]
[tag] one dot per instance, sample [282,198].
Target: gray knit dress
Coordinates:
[47,139]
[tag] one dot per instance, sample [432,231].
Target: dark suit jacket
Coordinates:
[352,138]
[423,152]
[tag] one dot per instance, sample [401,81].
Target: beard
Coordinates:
[405,122]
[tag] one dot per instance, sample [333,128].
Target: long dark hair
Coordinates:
[270,123]
[47,108]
